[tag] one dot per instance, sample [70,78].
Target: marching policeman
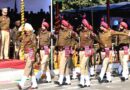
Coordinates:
[106,39]
[86,50]
[44,44]
[29,44]
[123,42]
[64,50]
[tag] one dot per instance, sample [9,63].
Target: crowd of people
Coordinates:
[70,47]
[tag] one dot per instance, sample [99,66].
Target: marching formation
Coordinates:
[84,49]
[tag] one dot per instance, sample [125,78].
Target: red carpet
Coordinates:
[12,63]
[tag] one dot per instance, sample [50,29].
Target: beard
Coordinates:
[43,29]
[121,29]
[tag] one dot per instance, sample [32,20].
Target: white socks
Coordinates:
[23,80]
[102,73]
[82,77]
[68,79]
[48,76]
[74,74]
[61,77]
[109,78]
[34,82]
[87,79]
[125,74]
[125,66]
[92,70]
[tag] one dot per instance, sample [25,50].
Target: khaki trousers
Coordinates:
[84,63]
[105,65]
[44,61]
[28,70]
[4,52]
[64,63]
[75,59]
[124,62]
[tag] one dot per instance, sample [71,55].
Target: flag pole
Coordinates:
[51,21]
[108,12]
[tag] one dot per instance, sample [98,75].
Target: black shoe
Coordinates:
[46,81]
[107,81]
[86,85]
[19,87]
[81,86]
[123,79]
[99,80]
[56,82]
[92,75]
[67,83]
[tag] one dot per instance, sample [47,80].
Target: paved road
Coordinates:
[115,85]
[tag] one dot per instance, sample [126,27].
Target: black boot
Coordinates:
[123,79]
[99,80]
[81,86]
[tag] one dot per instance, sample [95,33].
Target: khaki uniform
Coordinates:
[5,37]
[44,44]
[44,40]
[106,39]
[28,46]
[63,41]
[86,50]
[29,53]
[123,43]
[74,44]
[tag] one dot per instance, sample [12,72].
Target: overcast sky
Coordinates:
[30,5]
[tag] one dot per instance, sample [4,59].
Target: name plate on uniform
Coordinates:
[31,54]
[87,51]
[67,51]
[107,52]
[46,49]
[125,50]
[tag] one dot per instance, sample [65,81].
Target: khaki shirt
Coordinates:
[4,23]
[124,39]
[29,42]
[85,38]
[106,37]
[44,38]
[74,42]
[64,38]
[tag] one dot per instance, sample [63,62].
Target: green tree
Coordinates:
[76,4]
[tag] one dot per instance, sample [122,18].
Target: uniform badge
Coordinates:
[46,49]
[87,51]
[107,52]
[125,50]
[67,51]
